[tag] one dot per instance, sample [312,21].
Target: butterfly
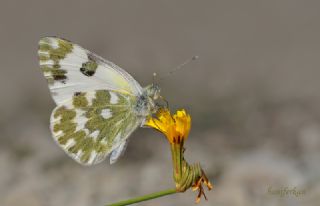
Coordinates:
[99,104]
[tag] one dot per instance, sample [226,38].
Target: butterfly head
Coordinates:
[146,103]
[153,91]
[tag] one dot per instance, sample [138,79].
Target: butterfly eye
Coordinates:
[165,105]
[156,96]
[156,92]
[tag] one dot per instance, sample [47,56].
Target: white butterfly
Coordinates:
[98,104]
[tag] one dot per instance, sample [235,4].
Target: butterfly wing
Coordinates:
[117,152]
[91,126]
[70,68]
[94,98]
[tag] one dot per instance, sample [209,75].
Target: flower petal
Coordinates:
[174,127]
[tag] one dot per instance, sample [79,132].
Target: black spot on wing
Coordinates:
[89,68]
[59,77]
[86,72]
[56,73]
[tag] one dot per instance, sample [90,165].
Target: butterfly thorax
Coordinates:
[146,101]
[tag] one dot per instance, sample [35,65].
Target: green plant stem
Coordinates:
[144,197]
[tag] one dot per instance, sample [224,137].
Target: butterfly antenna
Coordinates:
[167,103]
[179,67]
[154,78]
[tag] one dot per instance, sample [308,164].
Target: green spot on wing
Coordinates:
[80,100]
[64,48]
[43,57]
[102,98]
[48,52]
[44,45]
[66,124]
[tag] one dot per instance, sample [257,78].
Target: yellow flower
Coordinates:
[176,128]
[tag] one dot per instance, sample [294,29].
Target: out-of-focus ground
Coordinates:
[253,96]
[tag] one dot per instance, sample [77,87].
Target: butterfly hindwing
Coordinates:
[93,124]
[117,152]
[70,68]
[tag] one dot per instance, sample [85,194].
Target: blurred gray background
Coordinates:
[253,96]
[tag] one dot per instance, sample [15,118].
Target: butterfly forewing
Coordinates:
[69,68]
